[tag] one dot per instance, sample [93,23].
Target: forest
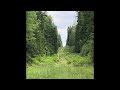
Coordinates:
[46,58]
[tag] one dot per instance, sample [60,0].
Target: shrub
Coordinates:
[80,61]
[28,59]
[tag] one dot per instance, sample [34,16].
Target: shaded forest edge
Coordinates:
[41,35]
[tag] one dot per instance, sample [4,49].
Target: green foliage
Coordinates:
[28,58]
[41,35]
[46,54]
[30,39]
[45,59]
[81,37]
[77,59]
[84,29]
[69,49]
[80,61]
[49,59]
[71,36]
[59,41]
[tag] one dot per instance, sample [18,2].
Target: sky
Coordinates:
[63,19]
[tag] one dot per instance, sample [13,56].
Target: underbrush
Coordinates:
[45,59]
[77,60]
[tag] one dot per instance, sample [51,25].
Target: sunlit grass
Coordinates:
[69,66]
[60,72]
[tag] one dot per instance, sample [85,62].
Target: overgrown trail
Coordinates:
[46,58]
[57,67]
[61,56]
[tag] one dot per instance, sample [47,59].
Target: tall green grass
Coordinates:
[47,71]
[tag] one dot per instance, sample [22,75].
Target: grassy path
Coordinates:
[61,55]
[60,70]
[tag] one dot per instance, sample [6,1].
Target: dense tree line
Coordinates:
[81,36]
[71,35]
[41,35]
[59,41]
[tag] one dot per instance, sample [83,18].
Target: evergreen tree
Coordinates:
[31,26]
[59,41]
[81,36]
[41,35]
[71,36]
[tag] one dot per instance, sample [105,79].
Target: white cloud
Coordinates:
[63,19]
